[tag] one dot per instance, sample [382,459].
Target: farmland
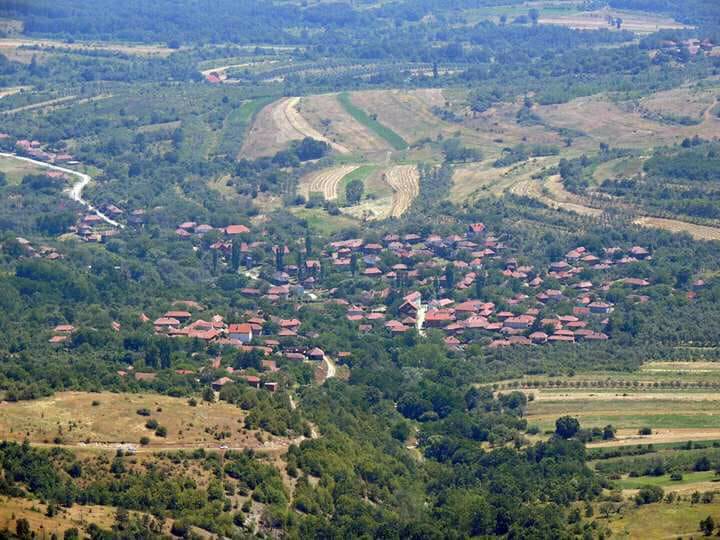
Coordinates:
[326,181]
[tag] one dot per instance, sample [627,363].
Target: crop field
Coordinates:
[604,121]
[326,181]
[690,102]
[640,23]
[12,45]
[370,122]
[72,419]
[277,125]
[406,113]
[674,413]
[405,181]
[699,232]
[326,114]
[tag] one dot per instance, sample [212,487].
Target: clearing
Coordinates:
[72,419]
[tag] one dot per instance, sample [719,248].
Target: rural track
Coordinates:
[405,182]
[327,181]
[288,114]
[75,192]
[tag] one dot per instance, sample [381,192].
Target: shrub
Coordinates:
[151,424]
[143,412]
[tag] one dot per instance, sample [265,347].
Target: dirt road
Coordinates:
[76,191]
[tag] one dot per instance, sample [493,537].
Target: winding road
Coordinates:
[75,192]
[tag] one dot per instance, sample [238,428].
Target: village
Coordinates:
[407,283]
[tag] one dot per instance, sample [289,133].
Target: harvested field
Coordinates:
[604,121]
[50,45]
[698,232]
[672,414]
[407,113]
[405,181]
[681,367]
[276,126]
[289,116]
[682,102]
[639,23]
[326,114]
[326,181]
[72,419]
[625,437]
[619,168]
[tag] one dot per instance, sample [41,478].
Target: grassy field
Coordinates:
[15,169]
[382,131]
[12,509]
[660,520]
[72,419]
[362,174]
[322,222]
[665,481]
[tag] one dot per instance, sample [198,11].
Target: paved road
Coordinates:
[76,191]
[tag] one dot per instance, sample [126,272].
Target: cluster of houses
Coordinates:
[35,150]
[693,46]
[41,252]
[473,319]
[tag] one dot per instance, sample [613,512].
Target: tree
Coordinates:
[22,525]
[503,19]
[534,15]
[208,395]
[235,256]
[353,264]
[609,432]
[308,242]
[707,525]
[567,427]
[354,191]
[3,179]
[449,277]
